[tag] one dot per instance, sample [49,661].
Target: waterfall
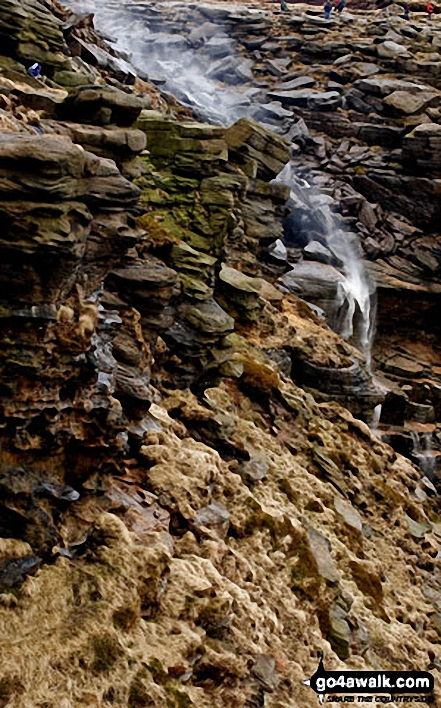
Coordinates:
[186,75]
[183,71]
[423,452]
[354,293]
[376,417]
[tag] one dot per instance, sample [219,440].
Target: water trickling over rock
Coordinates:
[352,310]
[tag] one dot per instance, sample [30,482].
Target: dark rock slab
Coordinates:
[306,98]
[102,105]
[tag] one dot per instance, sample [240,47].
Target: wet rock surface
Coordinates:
[189,511]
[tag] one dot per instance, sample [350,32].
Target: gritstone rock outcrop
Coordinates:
[188,510]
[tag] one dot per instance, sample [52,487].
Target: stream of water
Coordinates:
[423,452]
[354,298]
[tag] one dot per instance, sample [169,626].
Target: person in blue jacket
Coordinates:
[328,9]
[35,71]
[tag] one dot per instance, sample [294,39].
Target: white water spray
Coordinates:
[376,417]
[354,293]
[423,452]
[183,69]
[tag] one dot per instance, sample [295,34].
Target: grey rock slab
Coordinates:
[320,548]
[328,100]
[418,529]
[298,83]
[274,109]
[296,20]
[218,47]
[392,50]
[315,251]
[299,131]
[220,68]
[264,670]
[243,70]
[349,514]
[366,69]
[214,12]
[271,47]
[275,67]
[321,21]
[96,56]
[278,251]
[383,87]
[298,98]
[314,280]
[346,59]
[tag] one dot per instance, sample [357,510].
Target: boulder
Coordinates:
[242,292]
[299,82]
[422,148]
[383,87]
[218,47]
[226,69]
[272,110]
[315,251]
[339,633]
[392,50]
[315,281]
[411,103]
[209,318]
[202,33]
[102,105]
[250,140]
[53,168]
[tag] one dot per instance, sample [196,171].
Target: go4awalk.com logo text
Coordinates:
[365,686]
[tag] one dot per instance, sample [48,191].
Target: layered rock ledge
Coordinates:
[188,512]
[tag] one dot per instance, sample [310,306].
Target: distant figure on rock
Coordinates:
[35,71]
[430,9]
[328,9]
[406,11]
[341,5]
[284,6]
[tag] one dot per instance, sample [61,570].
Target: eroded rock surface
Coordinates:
[188,512]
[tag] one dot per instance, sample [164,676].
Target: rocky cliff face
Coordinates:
[359,97]
[188,513]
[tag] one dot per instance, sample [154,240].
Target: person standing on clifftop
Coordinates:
[328,9]
[406,11]
[430,9]
[341,6]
